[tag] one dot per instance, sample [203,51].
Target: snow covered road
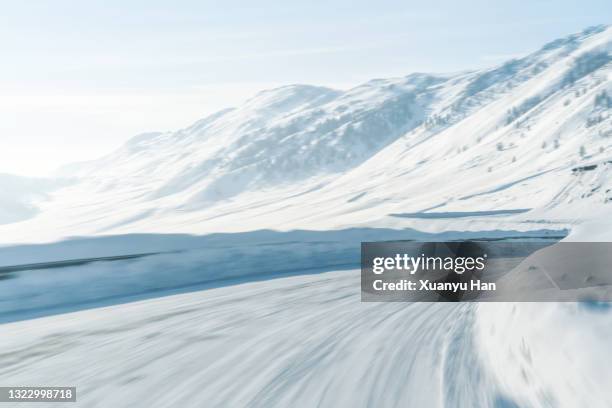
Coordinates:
[256,209]
[297,341]
[306,341]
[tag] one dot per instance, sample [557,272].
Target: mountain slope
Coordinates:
[515,146]
[20,196]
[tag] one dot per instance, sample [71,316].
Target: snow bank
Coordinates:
[549,354]
[553,354]
[41,291]
[191,261]
[597,229]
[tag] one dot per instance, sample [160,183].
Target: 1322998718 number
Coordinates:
[44,394]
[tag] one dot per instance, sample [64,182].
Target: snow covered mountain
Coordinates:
[524,146]
[516,146]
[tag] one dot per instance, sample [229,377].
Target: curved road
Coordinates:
[289,342]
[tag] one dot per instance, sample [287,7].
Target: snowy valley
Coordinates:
[257,212]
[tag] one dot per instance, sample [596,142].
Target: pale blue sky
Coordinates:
[79,77]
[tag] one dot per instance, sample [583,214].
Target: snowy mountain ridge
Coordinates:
[531,138]
[259,212]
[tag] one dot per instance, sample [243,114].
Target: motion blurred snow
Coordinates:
[303,174]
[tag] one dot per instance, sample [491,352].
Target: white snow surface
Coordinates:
[523,148]
[548,354]
[520,137]
[308,341]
